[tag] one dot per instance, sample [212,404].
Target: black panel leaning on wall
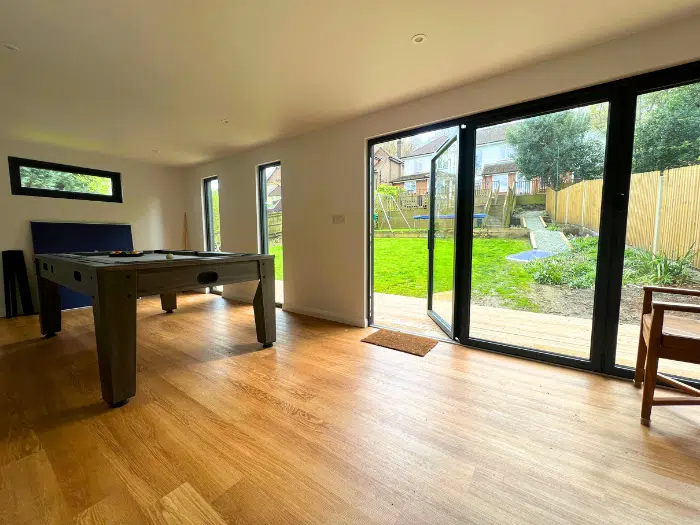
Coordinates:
[15,279]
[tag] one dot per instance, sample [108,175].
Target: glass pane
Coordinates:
[444,251]
[537,194]
[63,181]
[213,241]
[215,217]
[273,184]
[401,179]
[663,221]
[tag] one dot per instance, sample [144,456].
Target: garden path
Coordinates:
[546,240]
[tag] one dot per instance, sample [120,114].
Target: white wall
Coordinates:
[325,171]
[491,153]
[413,165]
[153,204]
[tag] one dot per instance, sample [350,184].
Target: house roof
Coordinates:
[381,156]
[492,133]
[414,176]
[483,136]
[500,167]
[276,208]
[275,192]
[428,149]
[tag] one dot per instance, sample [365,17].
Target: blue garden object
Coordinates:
[530,255]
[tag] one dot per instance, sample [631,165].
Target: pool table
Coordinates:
[114,283]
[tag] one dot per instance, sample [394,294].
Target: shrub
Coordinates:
[645,267]
[577,268]
[387,189]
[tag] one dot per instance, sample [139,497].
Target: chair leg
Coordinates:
[641,359]
[649,384]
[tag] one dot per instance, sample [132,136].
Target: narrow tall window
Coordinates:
[212,222]
[270,191]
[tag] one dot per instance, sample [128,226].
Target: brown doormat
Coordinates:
[411,344]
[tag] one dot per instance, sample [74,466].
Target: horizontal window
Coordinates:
[47,179]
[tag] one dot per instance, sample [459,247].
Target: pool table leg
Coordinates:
[49,307]
[264,304]
[114,310]
[168,302]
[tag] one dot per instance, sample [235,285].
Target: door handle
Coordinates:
[620,202]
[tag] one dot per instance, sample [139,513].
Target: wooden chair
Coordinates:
[668,337]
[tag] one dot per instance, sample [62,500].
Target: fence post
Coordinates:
[583,205]
[566,213]
[657,217]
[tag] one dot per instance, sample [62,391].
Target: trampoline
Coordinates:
[530,255]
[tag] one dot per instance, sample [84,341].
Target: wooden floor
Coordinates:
[558,334]
[322,428]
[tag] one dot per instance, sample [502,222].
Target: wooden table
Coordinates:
[115,283]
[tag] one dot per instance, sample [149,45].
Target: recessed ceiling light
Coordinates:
[224,121]
[419,38]
[10,47]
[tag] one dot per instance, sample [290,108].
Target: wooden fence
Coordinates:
[274,226]
[663,214]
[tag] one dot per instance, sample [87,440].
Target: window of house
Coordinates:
[479,159]
[47,179]
[410,186]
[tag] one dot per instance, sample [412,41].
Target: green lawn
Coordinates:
[276,250]
[401,268]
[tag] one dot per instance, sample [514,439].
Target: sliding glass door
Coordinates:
[537,190]
[662,244]
[563,210]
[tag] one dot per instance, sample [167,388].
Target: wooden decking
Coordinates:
[324,429]
[552,333]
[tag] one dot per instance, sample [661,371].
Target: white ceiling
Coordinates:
[130,76]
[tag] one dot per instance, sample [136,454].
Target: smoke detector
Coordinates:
[419,38]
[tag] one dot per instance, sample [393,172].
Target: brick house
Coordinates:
[387,168]
[416,167]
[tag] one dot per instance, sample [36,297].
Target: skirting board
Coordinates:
[329,316]
[311,312]
[239,298]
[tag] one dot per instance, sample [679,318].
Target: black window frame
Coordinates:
[262,209]
[262,205]
[622,96]
[208,213]
[209,221]
[15,163]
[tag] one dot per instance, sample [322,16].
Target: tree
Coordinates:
[391,147]
[667,132]
[550,145]
[388,189]
[216,227]
[64,181]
